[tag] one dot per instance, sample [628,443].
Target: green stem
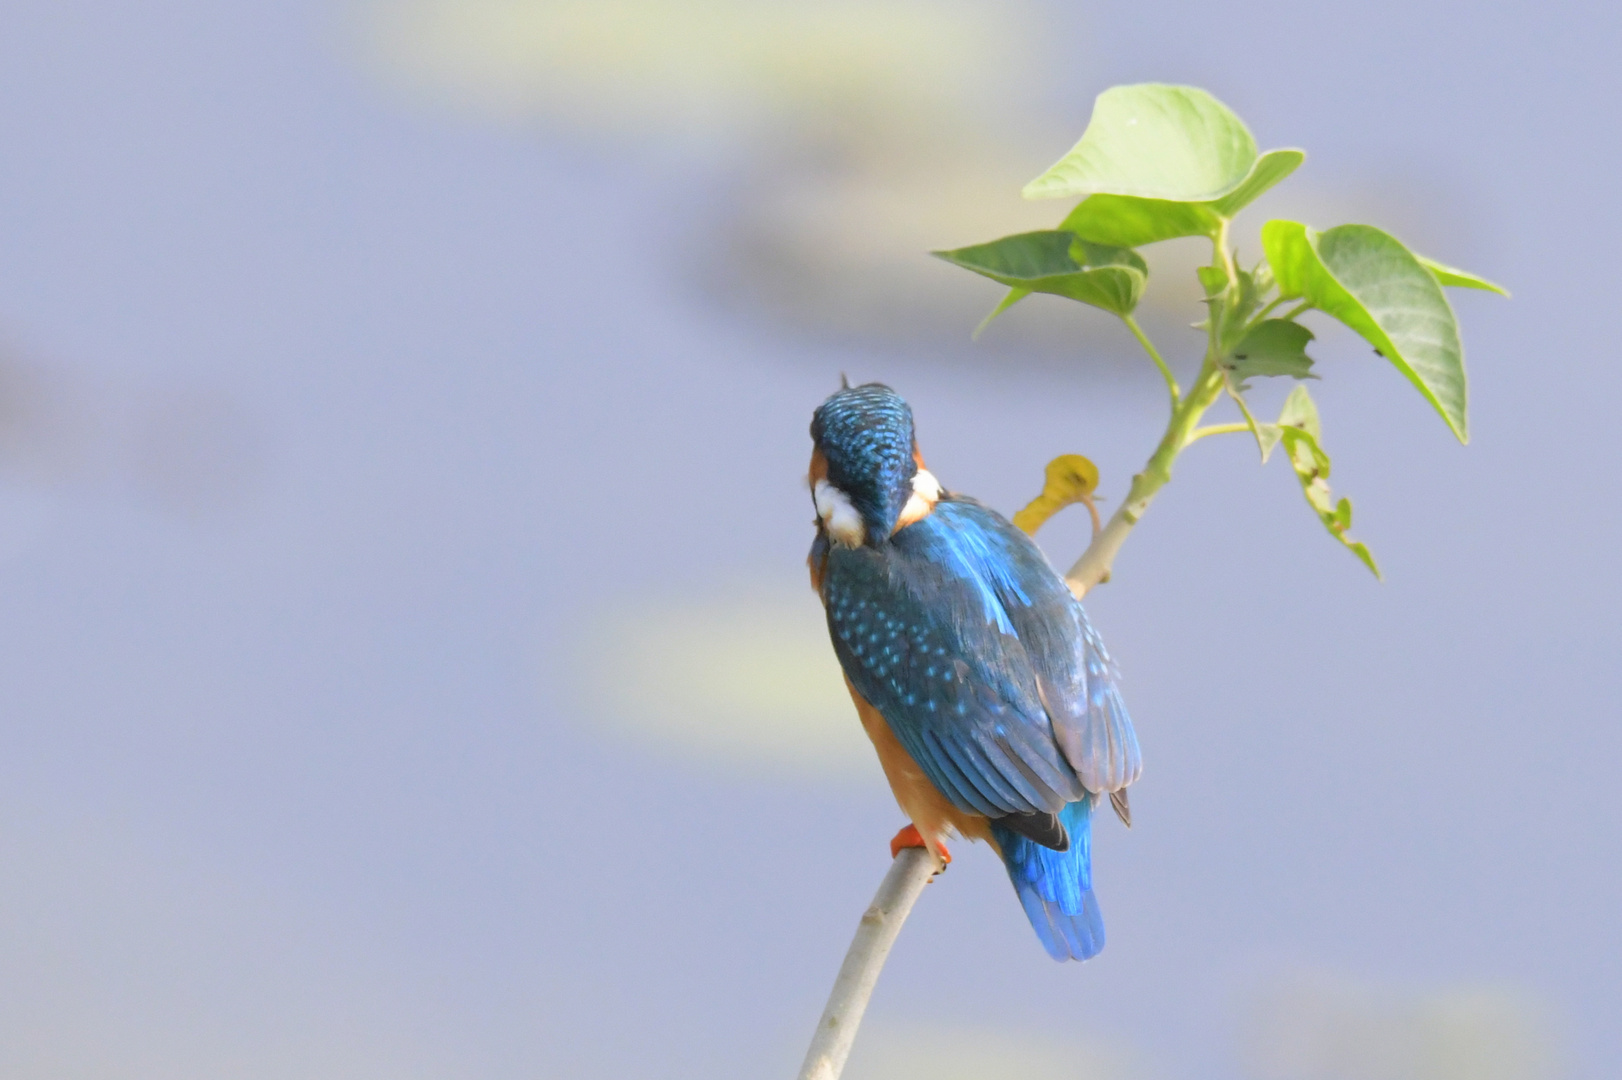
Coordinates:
[1264,312]
[1154,354]
[1225,254]
[1305,305]
[1094,565]
[1217,429]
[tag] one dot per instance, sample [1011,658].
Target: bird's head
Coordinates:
[867,477]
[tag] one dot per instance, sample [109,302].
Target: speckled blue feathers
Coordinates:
[925,628]
[865,433]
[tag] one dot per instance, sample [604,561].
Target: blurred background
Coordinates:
[406,663]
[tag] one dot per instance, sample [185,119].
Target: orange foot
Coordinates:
[909,837]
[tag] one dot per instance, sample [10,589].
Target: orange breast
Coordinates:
[934,815]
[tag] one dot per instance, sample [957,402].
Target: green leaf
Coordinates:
[1153,141]
[1131,221]
[1269,169]
[1462,279]
[1248,300]
[1056,262]
[1300,431]
[1261,279]
[1267,436]
[1126,221]
[1380,289]
[1300,412]
[1272,347]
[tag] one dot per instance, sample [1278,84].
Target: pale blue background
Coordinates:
[274,769]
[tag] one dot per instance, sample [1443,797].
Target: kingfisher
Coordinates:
[989,697]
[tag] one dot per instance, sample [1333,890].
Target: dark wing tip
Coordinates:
[1043,828]
[1123,809]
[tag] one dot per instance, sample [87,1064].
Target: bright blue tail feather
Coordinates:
[1056,887]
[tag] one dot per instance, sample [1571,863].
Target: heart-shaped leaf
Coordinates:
[1380,289]
[1057,262]
[1131,221]
[1153,141]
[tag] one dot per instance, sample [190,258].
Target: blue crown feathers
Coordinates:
[865,433]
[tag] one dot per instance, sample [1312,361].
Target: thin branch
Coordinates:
[1217,429]
[1154,354]
[1094,565]
[877,931]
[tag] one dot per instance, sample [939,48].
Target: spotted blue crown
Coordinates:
[865,434]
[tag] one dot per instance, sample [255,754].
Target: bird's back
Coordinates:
[962,636]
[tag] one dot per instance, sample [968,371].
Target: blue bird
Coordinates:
[988,695]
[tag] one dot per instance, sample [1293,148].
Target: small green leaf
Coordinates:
[1056,262]
[1248,300]
[1213,279]
[1267,436]
[1300,431]
[1262,279]
[1153,141]
[1267,349]
[1300,412]
[1272,347]
[1132,221]
[1462,279]
[1378,288]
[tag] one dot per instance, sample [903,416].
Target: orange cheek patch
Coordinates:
[819,467]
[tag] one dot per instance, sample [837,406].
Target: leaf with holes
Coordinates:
[1272,347]
[1057,262]
[1300,432]
[1366,278]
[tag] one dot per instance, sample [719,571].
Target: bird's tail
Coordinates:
[1056,887]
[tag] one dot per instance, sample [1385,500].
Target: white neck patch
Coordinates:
[926,492]
[838,516]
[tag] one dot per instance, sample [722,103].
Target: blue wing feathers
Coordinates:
[959,627]
[957,779]
[1103,747]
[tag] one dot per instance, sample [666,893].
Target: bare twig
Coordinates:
[877,931]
